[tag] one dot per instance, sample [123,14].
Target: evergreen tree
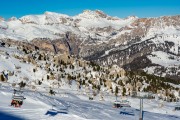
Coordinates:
[83,83]
[39,82]
[116,91]
[124,91]
[22,84]
[39,58]
[34,70]
[47,77]
[51,92]
[2,78]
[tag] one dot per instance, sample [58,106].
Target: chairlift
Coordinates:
[177,108]
[17,98]
[122,103]
[125,103]
[90,97]
[116,104]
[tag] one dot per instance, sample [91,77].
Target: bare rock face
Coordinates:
[43,44]
[51,45]
[101,14]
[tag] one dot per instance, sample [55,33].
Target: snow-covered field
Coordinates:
[70,105]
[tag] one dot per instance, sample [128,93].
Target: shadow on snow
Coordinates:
[53,112]
[127,111]
[5,116]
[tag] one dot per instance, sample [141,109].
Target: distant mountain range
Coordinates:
[149,44]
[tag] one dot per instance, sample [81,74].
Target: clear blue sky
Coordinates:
[120,8]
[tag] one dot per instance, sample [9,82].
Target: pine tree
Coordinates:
[51,92]
[2,78]
[22,84]
[99,87]
[47,77]
[34,70]
[120,83]
[124,91]
[39,58]
[83,83]
[116,91]
[39,82]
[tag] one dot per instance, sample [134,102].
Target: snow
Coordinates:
[3,25]
[32,109]
[9,63]
[90,19]
[19,31]
[119,34]
[46,18]
[51,25]
[38,105]
[37,26]
[163,59]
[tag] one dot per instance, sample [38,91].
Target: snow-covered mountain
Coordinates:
[80,58]
[49,24]
[99,37]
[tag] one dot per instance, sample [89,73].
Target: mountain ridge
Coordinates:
[119,41]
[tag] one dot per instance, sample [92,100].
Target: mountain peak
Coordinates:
[132,17]
[101,13]
[55,14]
[49,13]
[12,19]
[93,14]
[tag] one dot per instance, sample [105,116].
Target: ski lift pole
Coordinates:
[141,109]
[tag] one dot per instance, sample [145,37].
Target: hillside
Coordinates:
[23,67]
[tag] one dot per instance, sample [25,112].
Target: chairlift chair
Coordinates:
[116,104]
[90,97]
[177,108]
[17,98]
[122,103]
[125,103]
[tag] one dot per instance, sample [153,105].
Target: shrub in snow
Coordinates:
[51,92]
[22,84]
[39,82]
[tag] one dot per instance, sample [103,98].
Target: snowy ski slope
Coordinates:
[38,106]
